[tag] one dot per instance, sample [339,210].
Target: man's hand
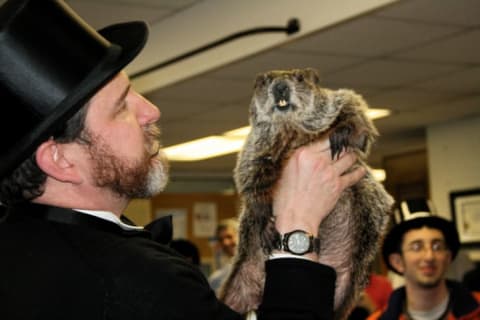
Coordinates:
[310,186]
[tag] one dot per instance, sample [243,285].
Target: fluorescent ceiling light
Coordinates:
[378,113]
[379,174]
[204,148]
[240,132]
[228,142]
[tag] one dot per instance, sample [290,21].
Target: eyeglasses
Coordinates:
[436,246]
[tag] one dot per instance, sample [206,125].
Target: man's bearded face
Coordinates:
[143,177]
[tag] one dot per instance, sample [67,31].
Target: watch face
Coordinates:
[298,242]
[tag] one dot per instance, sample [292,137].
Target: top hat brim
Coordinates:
[392,241]
[127,40]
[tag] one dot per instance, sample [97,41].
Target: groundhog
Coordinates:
[290,109]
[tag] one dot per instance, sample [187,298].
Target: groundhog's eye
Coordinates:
[299,77]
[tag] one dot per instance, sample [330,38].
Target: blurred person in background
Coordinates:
[374,296]
[421,247]
[226,236]
[471,278]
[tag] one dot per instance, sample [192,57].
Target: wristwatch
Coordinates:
[299,242]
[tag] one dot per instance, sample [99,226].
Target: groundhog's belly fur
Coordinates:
[289,109]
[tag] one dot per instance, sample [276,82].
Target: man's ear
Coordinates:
[396,261]
[449,253]
[51,159]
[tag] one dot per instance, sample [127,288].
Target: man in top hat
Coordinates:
[77,144]
[421,247]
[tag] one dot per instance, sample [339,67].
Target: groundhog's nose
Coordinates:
[281,91]
[281,94]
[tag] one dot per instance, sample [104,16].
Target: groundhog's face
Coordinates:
[292,97]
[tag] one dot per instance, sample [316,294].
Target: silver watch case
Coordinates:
[299,242]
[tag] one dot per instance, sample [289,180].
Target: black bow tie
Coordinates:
[161,229]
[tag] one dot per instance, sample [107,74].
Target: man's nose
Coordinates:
[147,112]
[428,252]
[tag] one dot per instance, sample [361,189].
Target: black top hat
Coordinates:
[51,63]
[415,214]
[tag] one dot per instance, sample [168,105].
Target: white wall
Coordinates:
[453,161]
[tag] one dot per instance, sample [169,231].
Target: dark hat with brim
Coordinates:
[51,64]
[417,220]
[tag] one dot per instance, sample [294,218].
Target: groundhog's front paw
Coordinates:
[340,140]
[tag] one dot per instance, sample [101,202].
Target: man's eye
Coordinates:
[416,247]
[438,246]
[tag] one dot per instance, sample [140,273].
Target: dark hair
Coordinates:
[27,181]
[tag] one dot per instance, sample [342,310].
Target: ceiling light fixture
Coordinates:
[377,113]
[205,148]
[379,174]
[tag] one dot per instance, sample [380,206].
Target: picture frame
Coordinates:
[465,208]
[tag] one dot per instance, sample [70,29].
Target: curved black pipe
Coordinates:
[292,27]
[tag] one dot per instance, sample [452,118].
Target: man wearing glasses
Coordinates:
[421,248]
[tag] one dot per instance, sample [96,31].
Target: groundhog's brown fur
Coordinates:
[290,109]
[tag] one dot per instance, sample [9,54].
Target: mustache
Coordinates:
[152,134]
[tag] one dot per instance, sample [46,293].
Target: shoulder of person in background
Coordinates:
[471,278]
[379,290]
[217,278]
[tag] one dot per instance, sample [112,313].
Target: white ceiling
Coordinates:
[421,58]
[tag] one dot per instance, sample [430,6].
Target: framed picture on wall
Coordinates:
[465,206]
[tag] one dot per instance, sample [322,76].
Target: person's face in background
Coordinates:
[227,239]
[425,257]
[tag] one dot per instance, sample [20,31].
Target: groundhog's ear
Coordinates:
[260,81]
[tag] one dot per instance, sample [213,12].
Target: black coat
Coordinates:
[60,264]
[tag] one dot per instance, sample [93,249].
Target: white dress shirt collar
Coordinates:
[109,216]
